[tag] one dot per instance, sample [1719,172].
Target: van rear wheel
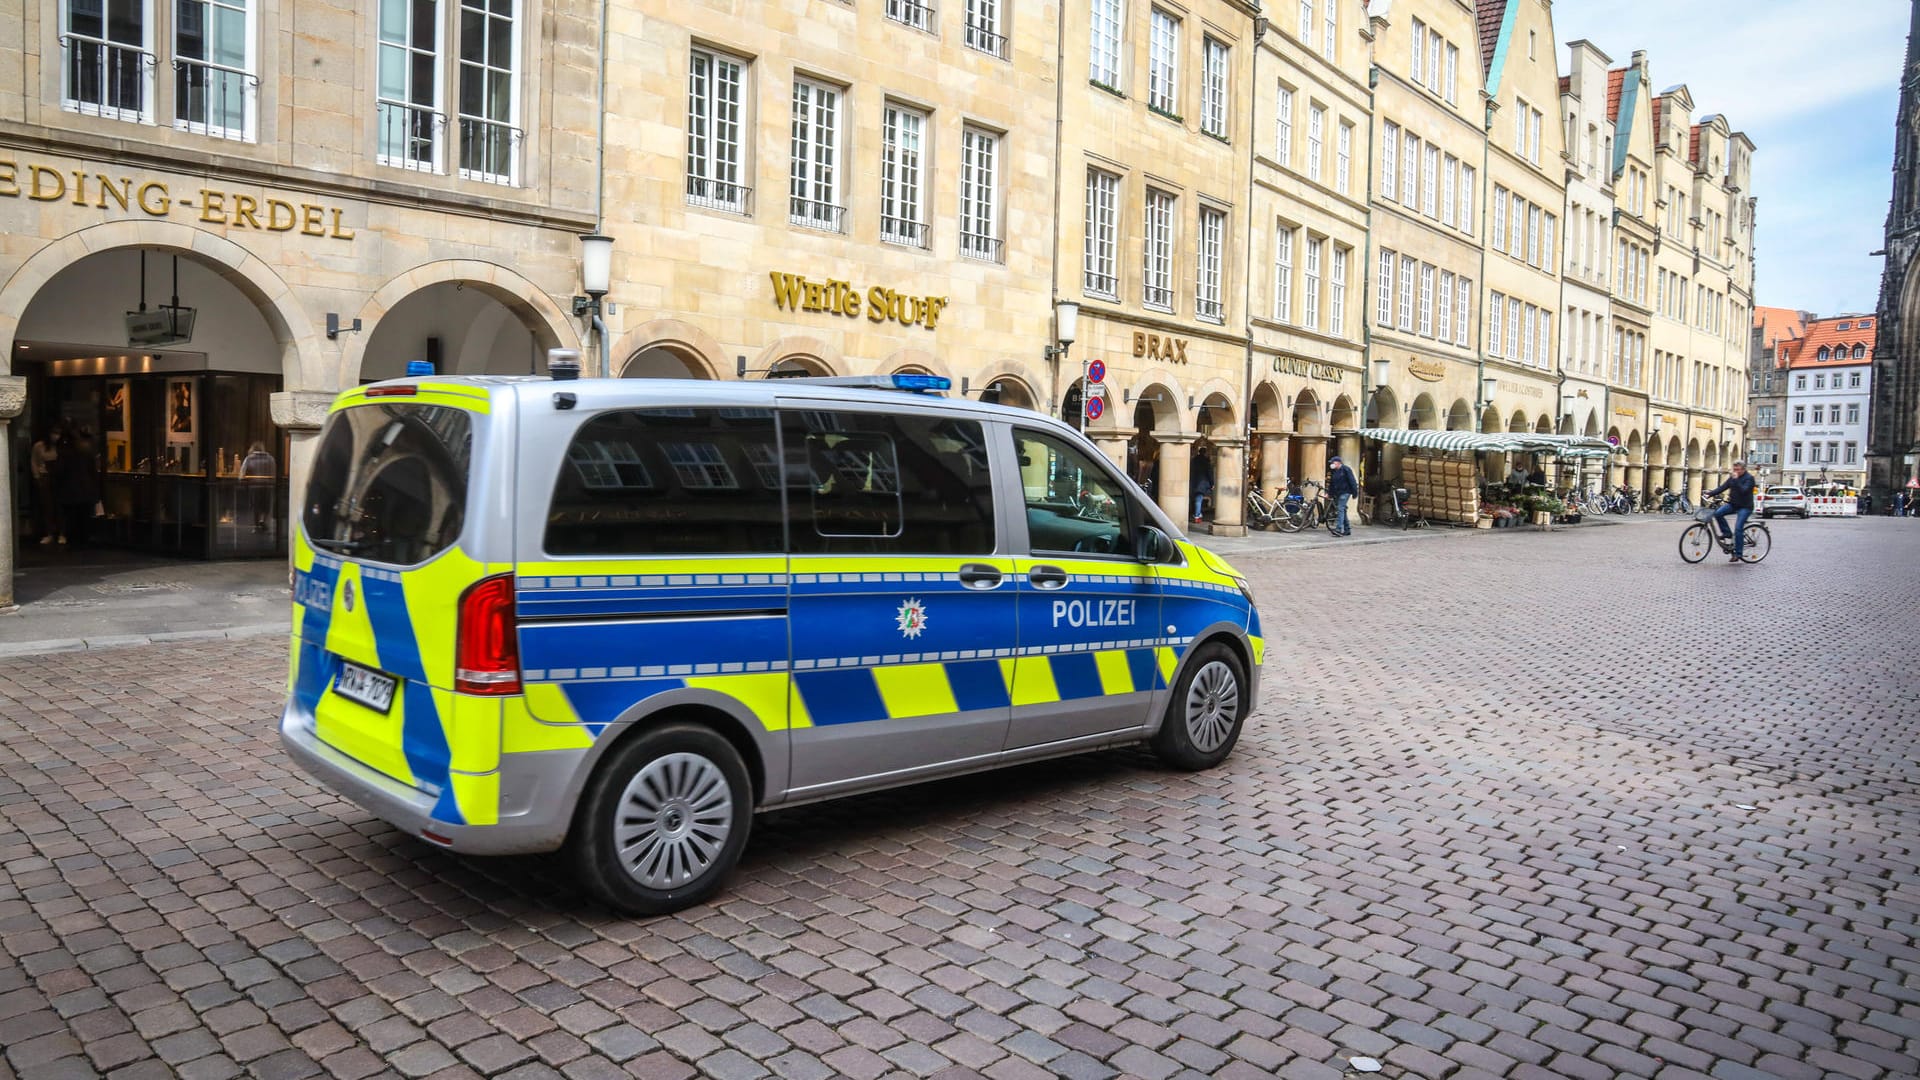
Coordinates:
[1205,712]
[663,821]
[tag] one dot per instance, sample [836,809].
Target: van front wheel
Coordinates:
[663,821]
[1205,712]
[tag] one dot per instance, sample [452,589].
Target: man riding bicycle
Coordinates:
[1739,505]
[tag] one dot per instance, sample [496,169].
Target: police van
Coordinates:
[621,616]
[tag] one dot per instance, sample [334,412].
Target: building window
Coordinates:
[980,194]
[1853,380]
[1799,382]
[1466,199]
[1283,274]
[1496,307]
[489,97]
[407,110]
[1516,231]
[214,85]
[1213,96]
[813,182]
[1799,414]
[915,13]
[713,132]
[903,211]
[1407,265]
[1795,452]
[1316,125]
[1418,69]
[1306,22]
[1100,275]
[1206,293]
[1103,65]
[1525,344]
[1337,308]
[983,28]
[1426,300]
[1429,187]
[107,69]
[1546,241]
[1533,235]
[1389,161]
[1853,414]
[1409,173]
[1453,75]
[1462,304]
[1765,416]
[1383,314]
[1545,350]
[1853,453]
[1330,36]
[1820,381]
[1310,306]
[1449,168]
[1833,453]
[1445,330]
[1283,131]
[1499,218]
[1163,63]
[1343,159]
[1514,340]
[1157,267]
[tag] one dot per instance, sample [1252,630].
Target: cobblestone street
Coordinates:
[1513,804]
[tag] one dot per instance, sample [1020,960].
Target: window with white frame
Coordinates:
[409,123]
[1853,381]
[1099,272]
[1533,235]
[1410,172]
[1426,299]
[918,14]
[215,85]
[1546,240]
[1417,72]
[1316,133]
[1544,349]
[1853,414]
[107,62]
[983,28]
[714,147]
[1467,175]
[1306,22]
[1163,63]
[1156,268]
[1389,161]
[1853,453]
[1448,194]
[1445,329]
[1517,232]
[1513,327]
[1330,31]
[1283,274]
[979,194]
[1283,127]
[1213,96]
[1434,45]
[1796,454]
[1499,218]
[1819,414]
[1526,338]
[1799,382]
[1383,311]
[1533,135]
[1337,306]
[1206,290]
[1519,127]
[1343,159]
[489,98]
[813,177]
[1429,181]
[1310,301]
[1408,266]
[1453,75]
[1833,453]
[1496,308]
[903,205]
[1462,304]
[1103,47]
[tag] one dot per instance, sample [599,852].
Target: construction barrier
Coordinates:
[1833,505]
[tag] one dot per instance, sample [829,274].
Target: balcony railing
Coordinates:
[409,135]
[213,99]
[986,39]
[489,150]
[917,15]
[1157,296]
[1210,309]
[977,246]
[1105,286]
[816,215]
[105,78]
[901,231]
[719,195]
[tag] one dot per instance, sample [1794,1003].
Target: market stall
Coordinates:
[1442,474]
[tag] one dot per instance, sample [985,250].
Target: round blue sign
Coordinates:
[1097,371]
[1095,407]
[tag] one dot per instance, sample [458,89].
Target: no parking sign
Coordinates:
[1097,371]
[1095,408]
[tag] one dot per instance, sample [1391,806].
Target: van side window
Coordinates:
[669,482]
[863,483]
[389,483]
[1073,505]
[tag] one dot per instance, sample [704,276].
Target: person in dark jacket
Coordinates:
[77,479]
[1342,485]
[1739,506]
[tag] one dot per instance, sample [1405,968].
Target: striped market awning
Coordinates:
[1493,442]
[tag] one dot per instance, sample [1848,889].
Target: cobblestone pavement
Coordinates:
[1552,804]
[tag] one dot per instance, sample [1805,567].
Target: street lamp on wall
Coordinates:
[1066,326]
[596,274]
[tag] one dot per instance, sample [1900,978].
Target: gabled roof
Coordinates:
[1860,330]
[1777,324]
[1615,79]
[1490,14]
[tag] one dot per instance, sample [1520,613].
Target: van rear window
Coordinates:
[389,483]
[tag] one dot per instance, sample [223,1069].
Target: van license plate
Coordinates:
[365,686]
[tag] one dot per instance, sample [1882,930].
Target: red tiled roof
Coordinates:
[1491,14]
[1566,83]
[1693,144]
[1778,327]
[1805,351]
[1615,80]
[1659,113]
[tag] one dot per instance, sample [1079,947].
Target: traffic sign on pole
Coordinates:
[1097,371]
[1095,407]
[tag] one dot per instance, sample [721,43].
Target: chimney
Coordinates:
[1640,60]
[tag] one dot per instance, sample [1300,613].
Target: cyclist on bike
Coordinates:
[1739,505]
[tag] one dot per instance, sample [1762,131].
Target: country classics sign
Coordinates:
[156,198]
[795,292]
[1306,369]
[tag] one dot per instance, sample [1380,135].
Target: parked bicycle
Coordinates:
[1265,513]
[1390,509]
[1675,502]
[1311,513]
[1699,538]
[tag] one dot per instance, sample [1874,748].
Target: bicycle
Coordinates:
[1264,513]
[1697,540]
[1390,510]
[1312,513]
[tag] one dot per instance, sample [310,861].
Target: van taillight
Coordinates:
[487,655]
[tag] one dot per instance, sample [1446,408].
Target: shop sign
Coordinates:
[1522,389]
[794,292]
[1427,370]
[1171,350]
[1703,425]
[1627,414]
[156,198]
[1307,369]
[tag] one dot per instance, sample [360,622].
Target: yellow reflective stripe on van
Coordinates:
[1259,645]
[478,797]
[1116,677]
[915,690]
[1033,682]
[474,399]
[1169,659]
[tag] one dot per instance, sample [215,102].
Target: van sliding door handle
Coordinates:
[980,576]
[1047,577]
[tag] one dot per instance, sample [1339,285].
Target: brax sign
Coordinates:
[1171,350]
[215,206]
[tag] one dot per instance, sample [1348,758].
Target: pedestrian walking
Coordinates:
[77,477]
[1202,481]
[1342,485]
[46,507]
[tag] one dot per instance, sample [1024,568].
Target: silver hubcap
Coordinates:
[1212,699]
[672,820]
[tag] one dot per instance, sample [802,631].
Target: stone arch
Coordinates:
[701,352]
[1490,420]
[302,365]
[1164,405]
[1460,415]
[1307,416]
[1008,389]
[1592,428]
[551,327]
[1383,410]
[1267,415]
[1424,414]
[1216,398]
[1344,416]
[1519,423]
[807,354]
[916,360]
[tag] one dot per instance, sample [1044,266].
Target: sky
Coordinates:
[1817,94]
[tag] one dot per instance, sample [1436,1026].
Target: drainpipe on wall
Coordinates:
[1246,277]
[600,183]
[1366,269]
[1486,226]
[1059,132]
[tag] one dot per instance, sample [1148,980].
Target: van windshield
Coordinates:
[390,482]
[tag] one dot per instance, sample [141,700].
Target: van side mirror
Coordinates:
[1150,545]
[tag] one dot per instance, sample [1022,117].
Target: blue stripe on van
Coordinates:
[841,697]
[422,738]
[978,684]
[600,703]
[1076,675]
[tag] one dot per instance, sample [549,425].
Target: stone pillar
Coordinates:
[1176,465]
[1348,447]
[301,412]
[13,398]
[1229,488]
[1114,445]
[1273,463]
[1693,485]
[1313,458]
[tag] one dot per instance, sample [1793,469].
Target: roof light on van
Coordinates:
[419,367]
[921,384]
[398,390]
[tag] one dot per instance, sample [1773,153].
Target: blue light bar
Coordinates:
[419,367]
[921,383]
